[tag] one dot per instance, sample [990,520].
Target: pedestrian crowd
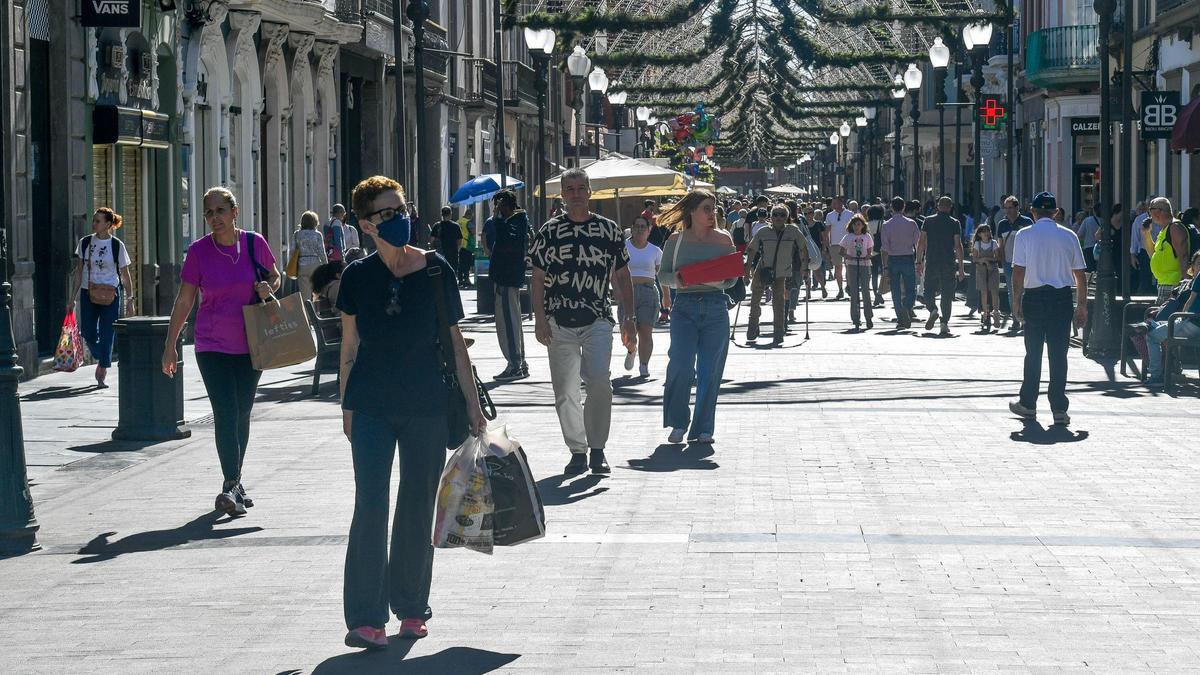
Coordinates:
[405,373]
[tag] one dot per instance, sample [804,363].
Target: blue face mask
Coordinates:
[397,230]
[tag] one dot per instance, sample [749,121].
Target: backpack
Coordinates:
[1193,239]
[331,249]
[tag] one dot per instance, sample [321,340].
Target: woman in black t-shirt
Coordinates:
[393,394]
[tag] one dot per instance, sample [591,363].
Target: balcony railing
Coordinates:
[1065,56]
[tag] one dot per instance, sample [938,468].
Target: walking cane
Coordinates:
[806,296]
[733,328]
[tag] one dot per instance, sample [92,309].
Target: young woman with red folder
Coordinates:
[700,316]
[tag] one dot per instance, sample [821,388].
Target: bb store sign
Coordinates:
[1156,118]
[112,13]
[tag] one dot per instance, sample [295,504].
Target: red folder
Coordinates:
[717,269]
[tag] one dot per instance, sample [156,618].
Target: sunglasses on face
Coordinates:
[386,213]
[393,307]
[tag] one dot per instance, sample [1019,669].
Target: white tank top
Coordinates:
[643,262]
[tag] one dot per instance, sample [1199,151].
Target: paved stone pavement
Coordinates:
[870,506]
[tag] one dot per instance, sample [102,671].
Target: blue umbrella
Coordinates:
[481,188]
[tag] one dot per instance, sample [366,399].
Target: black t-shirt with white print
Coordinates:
[578,259]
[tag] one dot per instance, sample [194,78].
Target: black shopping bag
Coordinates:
[518,516]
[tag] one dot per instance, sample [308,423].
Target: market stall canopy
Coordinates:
[1186,134]
[787,189]
[726,190]
[628,177]
[481,188]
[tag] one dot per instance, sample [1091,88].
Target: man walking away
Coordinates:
[835,228]
[447,236]
[899,237]
[938,251]
[577,257]
[335,235]
[1006,230]
[1047,260]
[507,271]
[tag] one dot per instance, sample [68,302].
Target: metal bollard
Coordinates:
[151,404]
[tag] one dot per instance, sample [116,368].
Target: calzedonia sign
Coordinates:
[112,13]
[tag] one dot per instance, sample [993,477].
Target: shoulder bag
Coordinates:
[458,425]
[101,295]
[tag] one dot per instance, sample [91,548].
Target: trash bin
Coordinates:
[151,404]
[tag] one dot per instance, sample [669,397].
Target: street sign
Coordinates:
[1160,110]
[112,13]
[992,113]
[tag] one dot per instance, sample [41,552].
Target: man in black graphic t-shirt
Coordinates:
[576,258]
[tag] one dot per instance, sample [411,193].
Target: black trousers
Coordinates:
[231,382]
[1048,313]
[941,279]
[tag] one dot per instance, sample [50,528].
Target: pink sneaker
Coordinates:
[367,637]
[413,628]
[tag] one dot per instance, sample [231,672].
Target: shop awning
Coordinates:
[1186,135]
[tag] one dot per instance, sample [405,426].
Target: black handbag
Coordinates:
[458,425]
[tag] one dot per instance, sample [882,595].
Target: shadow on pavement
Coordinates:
[200,529]
[1033,432]
[676,457]
[50,393]
[113,446]
[560,490]
[457,660]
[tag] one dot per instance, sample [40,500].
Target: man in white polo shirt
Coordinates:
[1047,261]
[836,222]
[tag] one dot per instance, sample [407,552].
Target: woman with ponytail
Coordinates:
[102,278]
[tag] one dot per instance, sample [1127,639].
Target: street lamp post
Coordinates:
[1102,344]
[836,152]
[401,122]
[912,80]
[598,82]
[617,100]
[939,56]
[859,181]
[500,151]
[18,526]
[977,36]
[642,114]
[898,93]
[418,12]
[578,65]
[872,138]
[844,131]
[541,46]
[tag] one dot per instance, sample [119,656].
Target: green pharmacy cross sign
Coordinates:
[992,113]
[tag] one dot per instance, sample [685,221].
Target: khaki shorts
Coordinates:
[835,255]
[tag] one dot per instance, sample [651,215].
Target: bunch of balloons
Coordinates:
[695,127]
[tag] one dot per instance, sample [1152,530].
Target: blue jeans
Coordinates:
[902,274]
[699,345]
[1156,340]
[96,326]
[376,578]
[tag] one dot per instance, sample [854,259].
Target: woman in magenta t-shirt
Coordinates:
[221,266]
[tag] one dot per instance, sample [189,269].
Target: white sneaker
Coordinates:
[630,359]
[676,436]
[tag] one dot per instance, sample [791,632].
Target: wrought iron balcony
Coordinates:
[1062,57]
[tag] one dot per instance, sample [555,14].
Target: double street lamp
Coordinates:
[642,115]
[541,46]
[598,83]
[844,131]
[869,114]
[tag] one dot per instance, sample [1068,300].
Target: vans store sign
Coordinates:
[112,13]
